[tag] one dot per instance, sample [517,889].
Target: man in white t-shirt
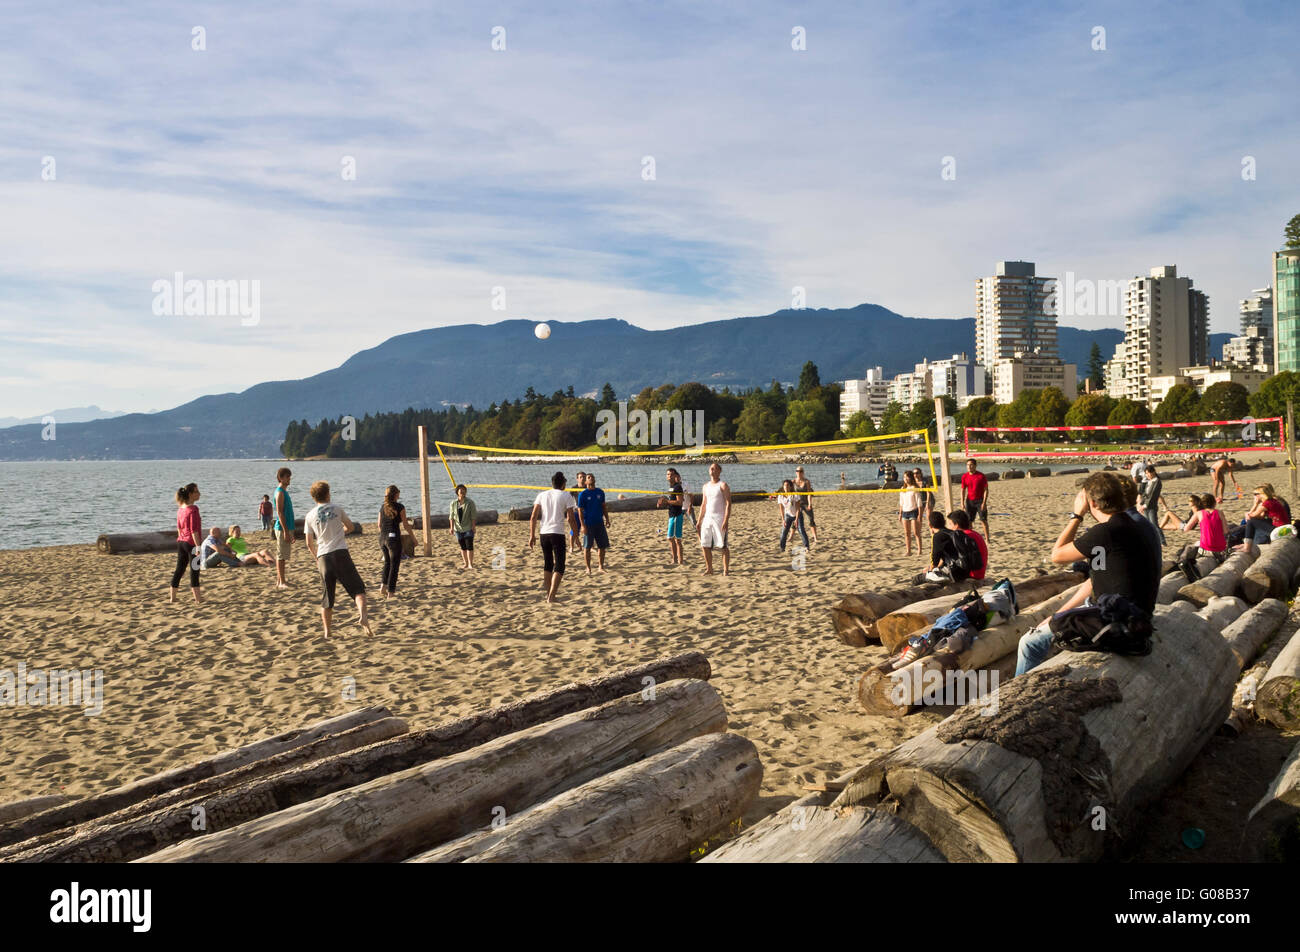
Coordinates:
[326,526]
[554,509]
[715,513]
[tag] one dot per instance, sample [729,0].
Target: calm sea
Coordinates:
[73,502]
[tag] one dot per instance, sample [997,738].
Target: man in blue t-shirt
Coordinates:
[593,517]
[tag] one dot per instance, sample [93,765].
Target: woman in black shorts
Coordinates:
[189,536]
[392,523]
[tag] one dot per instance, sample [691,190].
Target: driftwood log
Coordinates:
[139,832]
[896,627]
[164,540]
[99,804]
[441,520]
[1270,576]
[1222,610]
[1224,580]
[1278,698]
[1243,695]
[1070,757]
[808,832]
[141,828]
[893,689]
[856,616]
[1247,634]
[1174,581]
[1274,823]
[17,809]
[655,811]
[398,815]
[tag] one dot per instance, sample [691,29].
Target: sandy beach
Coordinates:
[181,681]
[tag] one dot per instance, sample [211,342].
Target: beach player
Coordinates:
[265,513]
[461,525]
[674,503]
[715,515]
[326,529]
[575,534]
[802,485]
[791,505]
[1123,555]
[975,496]
[391,523]
[552,509]
[189,537]
[909,505]
[593,517]
[284,526]
[1218,470]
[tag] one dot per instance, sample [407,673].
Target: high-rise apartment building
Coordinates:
[1166,326]
[1014,314]
[1286,309]
[869,396]
[1257,311]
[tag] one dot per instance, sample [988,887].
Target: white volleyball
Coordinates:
[542,331]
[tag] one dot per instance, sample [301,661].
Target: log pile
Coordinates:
[1271,574]
[1223,580]
[1069,758]
[635,765]
[857,617]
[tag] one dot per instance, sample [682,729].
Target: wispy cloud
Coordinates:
[523,169]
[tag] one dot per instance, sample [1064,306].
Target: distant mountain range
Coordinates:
[69,415]
[482,364]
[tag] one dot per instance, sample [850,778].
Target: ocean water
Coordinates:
[64,503]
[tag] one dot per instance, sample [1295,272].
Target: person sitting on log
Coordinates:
[958,521]
[1265,515]
[1214,536]
[953,555]
[1122,556]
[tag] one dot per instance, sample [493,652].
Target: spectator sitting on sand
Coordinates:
[214,552]
[239,545]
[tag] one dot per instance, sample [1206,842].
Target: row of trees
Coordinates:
[565,421]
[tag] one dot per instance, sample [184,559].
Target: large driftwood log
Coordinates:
[1224,580]
[17,809]
[896,627]
[140,832]
[1243,695]
[1171,583]
[655,811]
[807,832]
[1076,734]
[441,520]
[1278,698]
[893,690]
[401,814]
[1248,633]
[139,828]
[1222,610]
[1270,576]
[1275,820]
[99,804]
[855,616]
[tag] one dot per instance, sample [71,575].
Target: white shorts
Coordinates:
[712,536]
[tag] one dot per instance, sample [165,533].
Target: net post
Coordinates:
[942,429]
[1288,440]
[423,432]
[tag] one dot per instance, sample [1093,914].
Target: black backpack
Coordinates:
[1113,624]
[967,557]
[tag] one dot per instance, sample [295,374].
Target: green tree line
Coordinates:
[564,421]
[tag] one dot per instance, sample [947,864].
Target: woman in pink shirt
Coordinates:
[189,536]
[1214,540]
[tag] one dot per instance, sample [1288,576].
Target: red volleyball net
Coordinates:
[1252,435]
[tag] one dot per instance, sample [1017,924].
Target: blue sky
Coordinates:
[521,168]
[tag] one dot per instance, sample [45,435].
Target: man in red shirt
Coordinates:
[975,495]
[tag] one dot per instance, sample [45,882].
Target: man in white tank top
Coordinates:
[715,513]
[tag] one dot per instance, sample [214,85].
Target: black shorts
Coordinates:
[977,510]
[554,548]
[597,535]
[337,567]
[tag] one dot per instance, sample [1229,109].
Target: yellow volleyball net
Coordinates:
[496,467]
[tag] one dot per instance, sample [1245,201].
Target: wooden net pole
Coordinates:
[1289,439]
[424,490]
[941,425]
